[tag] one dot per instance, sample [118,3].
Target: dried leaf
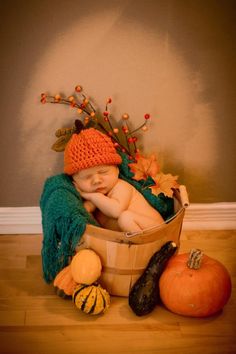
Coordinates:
[164,183]
[144,167]
[64,131]
[61,142]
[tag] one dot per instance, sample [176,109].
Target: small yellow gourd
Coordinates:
[86,267]
[91,299]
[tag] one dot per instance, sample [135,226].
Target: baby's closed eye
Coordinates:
[102,172]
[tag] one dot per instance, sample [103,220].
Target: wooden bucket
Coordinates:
[125,255]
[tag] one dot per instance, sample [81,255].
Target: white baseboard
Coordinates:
[22,220]
[212,216]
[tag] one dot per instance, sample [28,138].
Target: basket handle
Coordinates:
[183,196]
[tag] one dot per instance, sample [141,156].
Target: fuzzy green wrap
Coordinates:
[64,217]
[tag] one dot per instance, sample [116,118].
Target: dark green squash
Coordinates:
[144,294]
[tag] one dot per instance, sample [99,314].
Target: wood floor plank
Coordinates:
[101,341]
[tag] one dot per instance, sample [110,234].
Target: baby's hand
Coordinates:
[84,195]
[89,206]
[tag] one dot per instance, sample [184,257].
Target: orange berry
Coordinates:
[125,116]
[57,98]
[144,128]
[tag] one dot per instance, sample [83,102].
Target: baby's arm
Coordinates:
[115,204]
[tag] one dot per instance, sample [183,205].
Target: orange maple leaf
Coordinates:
[144,167]
[164,184]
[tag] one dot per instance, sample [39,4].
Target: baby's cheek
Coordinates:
[85,187]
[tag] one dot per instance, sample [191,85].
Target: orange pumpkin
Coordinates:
[64,283]
[194,285]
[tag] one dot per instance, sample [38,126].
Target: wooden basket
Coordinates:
[125,255]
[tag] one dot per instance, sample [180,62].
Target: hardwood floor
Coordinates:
[33,320]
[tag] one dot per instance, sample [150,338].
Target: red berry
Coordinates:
[106,114]
[109,100]
[78,88]
[147,116]
[130,140]
[106,119]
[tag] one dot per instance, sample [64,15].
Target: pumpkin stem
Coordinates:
[195,259]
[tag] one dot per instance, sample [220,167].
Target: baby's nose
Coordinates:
[96,179]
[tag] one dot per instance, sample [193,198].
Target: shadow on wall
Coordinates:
[209,28]
[132,50]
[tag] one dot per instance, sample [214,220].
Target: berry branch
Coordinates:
[84,107]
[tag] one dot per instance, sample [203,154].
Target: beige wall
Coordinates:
[172,58]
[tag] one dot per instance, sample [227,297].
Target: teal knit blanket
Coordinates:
[64,218]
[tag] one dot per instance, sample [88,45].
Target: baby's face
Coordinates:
[100,178]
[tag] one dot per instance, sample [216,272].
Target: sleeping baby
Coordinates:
[92,161]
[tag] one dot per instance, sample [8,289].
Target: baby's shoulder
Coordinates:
[122,186]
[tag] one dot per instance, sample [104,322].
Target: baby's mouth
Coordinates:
[100,190]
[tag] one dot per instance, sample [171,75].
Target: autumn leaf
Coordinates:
[61,142]
[164,183]
[144,167]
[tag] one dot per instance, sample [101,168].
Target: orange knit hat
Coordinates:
[87,149]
